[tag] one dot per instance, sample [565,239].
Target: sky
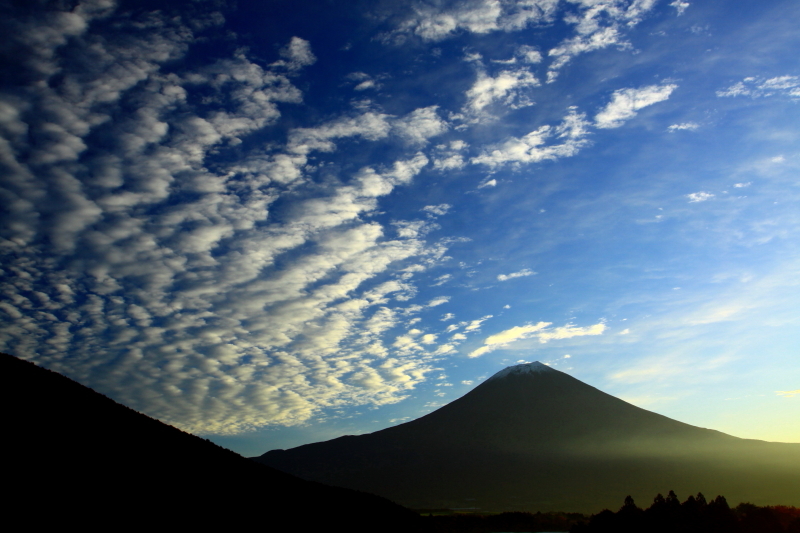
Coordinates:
[277,222]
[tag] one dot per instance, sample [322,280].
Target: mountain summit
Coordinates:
[528,368]
[534,438]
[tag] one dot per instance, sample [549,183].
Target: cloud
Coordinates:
[441,280]
[700,196]
[690,126]
[434,23]
[758,87]
[626,102]
[788,394]
[521,274]
[475,325]
[143,256]
[505,87]
[420,125]
[539,330]
[437,210]
[597,25]
[488,183]
[447,316]
[534,147]
[438,301]
[364,81]
[680,6]
[297,54]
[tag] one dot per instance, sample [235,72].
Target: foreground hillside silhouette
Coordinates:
[75,457]
[534,439]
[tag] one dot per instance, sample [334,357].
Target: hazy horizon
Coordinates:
[274,223]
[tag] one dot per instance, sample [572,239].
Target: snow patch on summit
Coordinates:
[529,368]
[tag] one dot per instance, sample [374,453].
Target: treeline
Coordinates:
[665,515]
[695,515]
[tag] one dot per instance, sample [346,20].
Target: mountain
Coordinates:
[533,438]
[72,456]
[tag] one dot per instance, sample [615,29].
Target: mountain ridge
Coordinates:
[535,427]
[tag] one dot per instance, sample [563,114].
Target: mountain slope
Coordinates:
[73,456]
[533,438]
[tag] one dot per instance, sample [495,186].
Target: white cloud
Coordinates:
[700,196]
[447,316]
[522,273]
[488,183]
[475,325]
[420,125]
[533,147]
[434,23]
[626,102]
[742,185]
[297,54]
[788,394]
[439,210]
[597,25]
[758,87]
[441,280]
[449,162]
[529,54]
[539,330]
[505,87]
[690,126]
[438,301]
[680,6]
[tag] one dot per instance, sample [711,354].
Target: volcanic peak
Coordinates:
[527,368]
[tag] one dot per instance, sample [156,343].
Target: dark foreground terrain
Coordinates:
[73,457]
[76,458]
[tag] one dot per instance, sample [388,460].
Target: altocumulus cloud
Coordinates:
[139,260]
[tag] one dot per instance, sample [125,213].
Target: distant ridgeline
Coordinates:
[531,438]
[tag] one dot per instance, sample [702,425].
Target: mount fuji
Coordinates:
[534,438]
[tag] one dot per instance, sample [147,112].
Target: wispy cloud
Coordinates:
[434,23]
[683,126]
[788,394]
[506,87]
[535,146]
[521,274]
[626,102]
[540,330]
[758,87]
[700,196]
[680,6]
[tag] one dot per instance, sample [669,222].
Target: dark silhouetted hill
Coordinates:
[532,438]
[72,457]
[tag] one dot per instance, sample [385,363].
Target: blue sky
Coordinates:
[272,223]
